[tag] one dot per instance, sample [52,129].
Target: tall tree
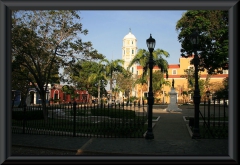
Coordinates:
[142,80]
[70,90]
[112,67]
[222,92]
[46,39]
[158,82]
[86,75]
[212,26]
[189,74]
[124,81]
[142,58]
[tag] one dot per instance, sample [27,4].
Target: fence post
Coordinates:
[24,117]
[224,115]
[209,113]
[74,118]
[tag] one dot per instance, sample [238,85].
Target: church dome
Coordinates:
[129,36]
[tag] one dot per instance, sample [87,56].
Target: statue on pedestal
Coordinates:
[173,83]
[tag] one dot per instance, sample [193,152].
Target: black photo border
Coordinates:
[5,75]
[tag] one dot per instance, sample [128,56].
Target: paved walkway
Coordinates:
[171,137]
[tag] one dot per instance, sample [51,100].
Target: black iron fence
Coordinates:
[85,120]
[213,119]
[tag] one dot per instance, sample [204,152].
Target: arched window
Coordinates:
[56,94]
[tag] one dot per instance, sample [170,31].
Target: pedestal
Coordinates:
[173,101]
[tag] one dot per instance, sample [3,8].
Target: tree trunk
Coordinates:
[99,94]
[44,108]
[110,98]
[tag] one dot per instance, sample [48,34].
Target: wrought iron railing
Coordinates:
[86,120]
[213,121]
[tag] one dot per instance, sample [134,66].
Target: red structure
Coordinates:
[58,96]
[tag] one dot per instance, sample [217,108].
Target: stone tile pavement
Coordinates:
[171,138]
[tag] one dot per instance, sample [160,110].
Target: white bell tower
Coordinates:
[129,50]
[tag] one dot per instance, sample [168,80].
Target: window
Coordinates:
[132,51]
[132,69]
[56,96]
[64,96]
[128,51]
[132,42]
[174,71]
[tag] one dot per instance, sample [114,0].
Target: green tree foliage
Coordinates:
[189,74]
[45,40]
[212,26]
[70,90]
[142,80]
[124,81]
[223,91]
[86,75]
[158,82]
[142,58]
[112,67]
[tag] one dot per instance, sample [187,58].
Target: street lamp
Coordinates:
[196,97]
[150,44]
[208,94]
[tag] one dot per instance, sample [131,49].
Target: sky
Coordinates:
[106,30]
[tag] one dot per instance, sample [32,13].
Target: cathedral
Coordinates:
[175,72]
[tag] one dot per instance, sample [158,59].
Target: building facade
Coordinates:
[54,95]
[57,95]
[176,71]
[129,51]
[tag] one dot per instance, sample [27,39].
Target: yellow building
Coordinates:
[176,71]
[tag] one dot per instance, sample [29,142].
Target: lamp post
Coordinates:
[196,97]
[150,44]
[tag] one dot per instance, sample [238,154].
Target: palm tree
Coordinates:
[116,91]
[112,67]
[142,80]
[101,76]
[142,58]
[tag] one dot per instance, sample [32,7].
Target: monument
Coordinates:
[173,100]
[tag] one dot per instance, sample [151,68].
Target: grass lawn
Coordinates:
[214,132]
[116,122]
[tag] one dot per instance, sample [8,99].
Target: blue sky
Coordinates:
[108,28]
